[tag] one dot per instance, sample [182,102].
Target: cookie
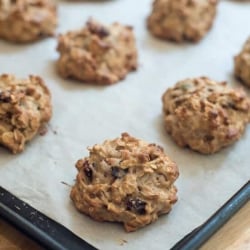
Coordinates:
[125,180]
[242,64]
[25,107]
[181,20]
[205,115]
[97,53]
[27,20]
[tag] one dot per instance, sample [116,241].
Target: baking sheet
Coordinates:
[86,114]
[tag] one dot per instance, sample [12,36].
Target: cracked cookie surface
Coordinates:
[25,107]
[27,20]
[181,20]
[97,53]
[125,180]
[242,64]
[205,115]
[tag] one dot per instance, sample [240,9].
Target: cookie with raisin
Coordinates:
[205,115]
[25,108]
[97,53]
[181,20]
[125,180]
[24,21]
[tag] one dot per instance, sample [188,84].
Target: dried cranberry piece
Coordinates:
[118,172]
[87,170]
[136,205]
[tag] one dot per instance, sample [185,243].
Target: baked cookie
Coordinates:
[242,64]
[27,20]
[25,107]
[181,20]
[125,180]
[98,54]
[205,115]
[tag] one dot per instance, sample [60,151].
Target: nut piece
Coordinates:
[242,64]
[97,54]
[182,20]
[25,107]
[127,184]
[27,20]
[205,115]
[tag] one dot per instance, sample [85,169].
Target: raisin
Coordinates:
[97,29]
[153,157]
[233,106]
[102,32]
[118,172]
[202,106]
[5,97]
[136,205]
[87,170]
[208,138]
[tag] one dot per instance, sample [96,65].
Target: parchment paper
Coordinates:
[85,115]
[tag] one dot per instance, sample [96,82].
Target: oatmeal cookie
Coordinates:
[27,20]
[205,115]
[125,180]
[181,20]
[242,64]
[25,107]
[98,54]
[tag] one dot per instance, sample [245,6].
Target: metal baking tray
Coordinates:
[54,236]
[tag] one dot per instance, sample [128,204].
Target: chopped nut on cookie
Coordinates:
[113,184]
[205,115]
[97,53]
[25,107]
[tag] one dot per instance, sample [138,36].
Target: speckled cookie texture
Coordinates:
[181,20]
[27,20]
[25,107]
[205,115]
[97,53]
[125,180]
[242,64]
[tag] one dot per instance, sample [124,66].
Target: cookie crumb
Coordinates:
[66,184]
[122,242]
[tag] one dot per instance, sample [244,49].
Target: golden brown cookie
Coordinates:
[205,115]
[27,20]
[125,180]
[25,107]
[97,53]
[242,64]
[181,20]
